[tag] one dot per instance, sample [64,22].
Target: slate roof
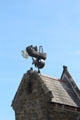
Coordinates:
[59,91]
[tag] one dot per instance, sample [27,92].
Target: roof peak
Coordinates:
[65,68]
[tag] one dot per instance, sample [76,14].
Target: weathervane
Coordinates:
[38,56]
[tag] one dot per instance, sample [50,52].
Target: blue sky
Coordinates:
[55,24]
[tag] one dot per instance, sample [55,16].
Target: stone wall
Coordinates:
[33,109]
[41,109]
[30,102]
[56,113]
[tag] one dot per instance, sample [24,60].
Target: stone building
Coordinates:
[40,97]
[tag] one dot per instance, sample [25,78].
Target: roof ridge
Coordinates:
[53,78]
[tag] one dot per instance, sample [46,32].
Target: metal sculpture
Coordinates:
[38,56]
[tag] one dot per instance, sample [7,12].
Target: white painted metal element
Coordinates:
[24,54]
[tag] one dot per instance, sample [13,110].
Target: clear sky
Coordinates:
[55,24]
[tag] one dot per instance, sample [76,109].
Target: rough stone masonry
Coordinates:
[41,97]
